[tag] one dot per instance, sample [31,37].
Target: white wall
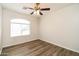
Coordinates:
[0,28]
[7,16]
[62,27]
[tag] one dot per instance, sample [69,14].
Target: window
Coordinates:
[20,27]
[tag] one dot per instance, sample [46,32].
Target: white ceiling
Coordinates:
[18,7]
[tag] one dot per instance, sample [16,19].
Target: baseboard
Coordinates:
[19,43]
[61,46]
[47,42]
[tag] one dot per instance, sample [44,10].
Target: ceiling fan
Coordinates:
[37,9]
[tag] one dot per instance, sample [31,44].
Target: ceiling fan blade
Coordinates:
[40,13]
[27,8]
[31,13]
[46,9]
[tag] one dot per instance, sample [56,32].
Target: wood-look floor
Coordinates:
[37,48]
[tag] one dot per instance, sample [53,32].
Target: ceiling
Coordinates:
[18,7]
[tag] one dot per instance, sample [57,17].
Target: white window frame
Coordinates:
[23,23]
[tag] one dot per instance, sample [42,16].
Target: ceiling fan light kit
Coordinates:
[37,12]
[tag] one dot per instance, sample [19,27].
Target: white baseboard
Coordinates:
[62,46]
[18,43]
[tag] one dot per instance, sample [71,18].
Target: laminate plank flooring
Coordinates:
[37,48]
